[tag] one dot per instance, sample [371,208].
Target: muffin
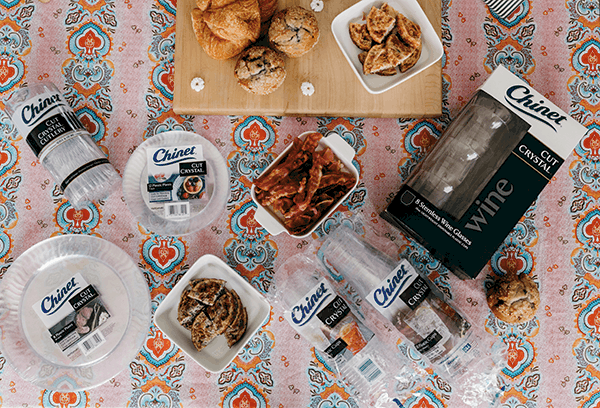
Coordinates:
[514,299]
[294,31]
[260,70]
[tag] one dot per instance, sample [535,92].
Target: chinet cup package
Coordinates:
[462,354]
[374,372]
[486,170]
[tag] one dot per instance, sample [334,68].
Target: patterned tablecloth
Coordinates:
[114,61]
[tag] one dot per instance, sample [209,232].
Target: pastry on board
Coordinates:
[514,299]
[225,27]
[260,70]
[294,31]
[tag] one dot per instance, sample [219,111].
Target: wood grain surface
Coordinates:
[338,92]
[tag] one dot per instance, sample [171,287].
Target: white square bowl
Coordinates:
[217,355]
[342,150]
[375,84]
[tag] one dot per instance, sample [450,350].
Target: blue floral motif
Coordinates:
[4,244]
[254,135]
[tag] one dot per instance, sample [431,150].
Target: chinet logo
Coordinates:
[304,311]
[165,157]
[34,112]
[53,302]
[386,294]
[520,98]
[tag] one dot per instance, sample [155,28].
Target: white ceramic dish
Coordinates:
[26,342]
[135,179]
[217,355]
[432,46]
[342,151]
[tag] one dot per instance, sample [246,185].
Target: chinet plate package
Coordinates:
[486,170]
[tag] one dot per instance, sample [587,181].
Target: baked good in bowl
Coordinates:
[225,27]
[208,309]
[391,41]
[514,299]
[260,70]
[294,31]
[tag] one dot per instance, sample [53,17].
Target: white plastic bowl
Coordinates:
[375,84]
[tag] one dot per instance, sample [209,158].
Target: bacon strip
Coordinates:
[298,154]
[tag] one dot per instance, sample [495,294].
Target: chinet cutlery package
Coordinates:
[487,168]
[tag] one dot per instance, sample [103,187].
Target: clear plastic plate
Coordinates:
[135,179]
[26,341]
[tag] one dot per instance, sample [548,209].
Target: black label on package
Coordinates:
[336,347]
[428,342]
[334,312]
[167,186]
[83,297]
[51,128]
[63,332]
[538,156]
[197,168]
[415,293]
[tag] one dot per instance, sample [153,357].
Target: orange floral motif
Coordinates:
[168,78]
[89,42]
[78,217]
[158,344]
[593,319]
[592,60]
[510,263]
[64,399]
[163,253]
[254,134]
[90,125]
[514,355]
[592,142]
[593,230]
[423,403]
[244,400]
[247,221]
[6,71]
[424,140]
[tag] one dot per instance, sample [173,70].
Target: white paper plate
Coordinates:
[135,179]
[26,342]
[432,46]
[342,151]
[217,355]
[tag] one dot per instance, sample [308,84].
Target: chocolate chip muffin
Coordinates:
[514,299]
[294,31]
[260,70]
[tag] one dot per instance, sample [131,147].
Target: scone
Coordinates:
[360,36]
[514,299]
[380,22]
[294,31]
[225,27]
[409,31]
[260,70]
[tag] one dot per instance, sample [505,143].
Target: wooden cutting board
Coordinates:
[338,92]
